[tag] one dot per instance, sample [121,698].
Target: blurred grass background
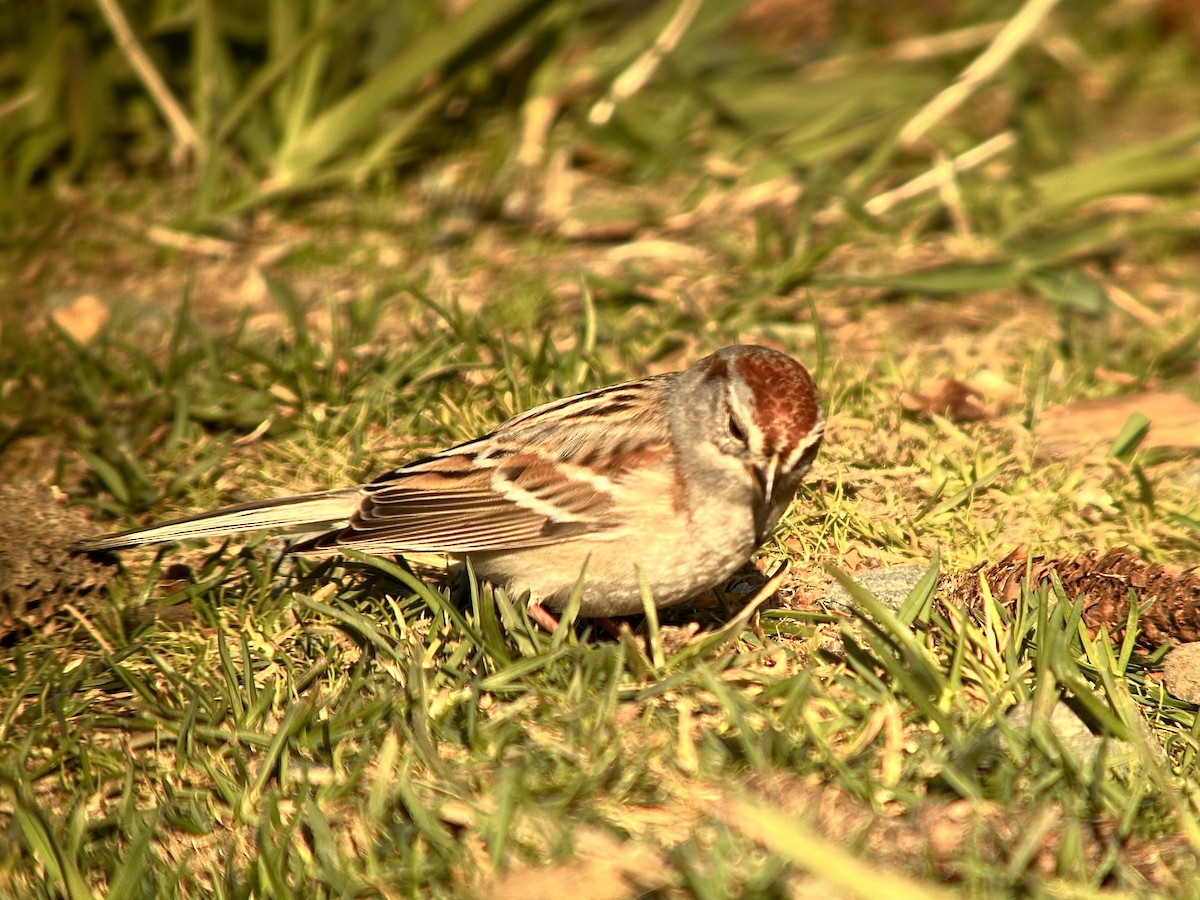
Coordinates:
[265,247]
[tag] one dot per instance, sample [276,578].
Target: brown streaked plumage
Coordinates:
[675,478]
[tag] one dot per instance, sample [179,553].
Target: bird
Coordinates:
[670,482]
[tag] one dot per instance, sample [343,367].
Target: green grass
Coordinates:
[355,728]
[255,725]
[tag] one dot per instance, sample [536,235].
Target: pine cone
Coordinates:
[1105,583]
[38,575]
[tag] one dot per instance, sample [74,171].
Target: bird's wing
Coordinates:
[551,474]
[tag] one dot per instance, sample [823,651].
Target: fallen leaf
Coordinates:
[953,399]
[83,318]
[1074,429]
[603,868]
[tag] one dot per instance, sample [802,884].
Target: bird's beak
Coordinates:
[765,476]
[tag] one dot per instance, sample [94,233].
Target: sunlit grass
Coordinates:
[256,724]
[354,726]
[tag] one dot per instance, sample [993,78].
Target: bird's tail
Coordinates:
[303,512]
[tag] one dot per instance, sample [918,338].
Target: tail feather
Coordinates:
[303,512]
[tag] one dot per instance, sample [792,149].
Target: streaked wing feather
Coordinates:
[474,537]
[530,483]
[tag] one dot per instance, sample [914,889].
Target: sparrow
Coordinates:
[672,480]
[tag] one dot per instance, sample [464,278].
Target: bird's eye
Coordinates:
[736,431]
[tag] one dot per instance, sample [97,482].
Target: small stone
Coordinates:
[890,586]
[1072,732]
[1181,672]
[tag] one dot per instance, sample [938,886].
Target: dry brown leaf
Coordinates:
[1073,429]
[83,318]
[953,398]
[604,868]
